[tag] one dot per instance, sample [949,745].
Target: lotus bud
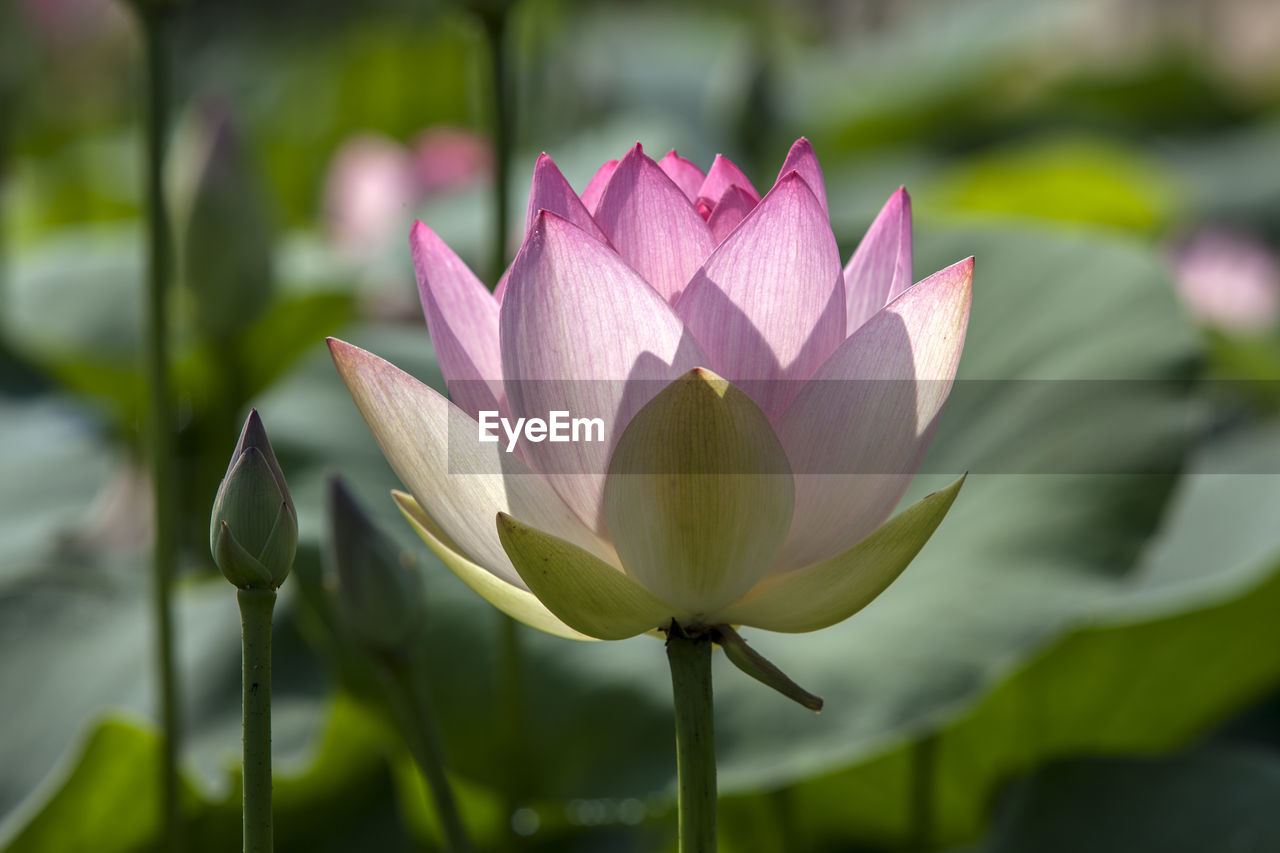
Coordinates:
[226,242]
[253,533]
[379,594]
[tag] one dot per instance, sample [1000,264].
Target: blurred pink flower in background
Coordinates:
[375,184]
[1228,281]
[66,24]
[370,188]
[450,158]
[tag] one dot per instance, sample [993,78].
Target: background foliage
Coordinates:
[1087,656]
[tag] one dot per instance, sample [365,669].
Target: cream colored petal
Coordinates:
[834,590]
[517,603]
[584,592]
[434,448]
[699,494]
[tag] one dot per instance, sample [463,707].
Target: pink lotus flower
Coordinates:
[765,409]
[375,181]
[370,187]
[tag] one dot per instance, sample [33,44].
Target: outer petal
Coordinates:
[652,225]
[722,175]
[880,268]
[583,333]
[699,494]
[462,318]
[585,593]
[858,430]
[834,590]
[802,159]
[683,173]
[516,602]
[768,305]
[731,209]
[595,186]
[433,448]
[551,192]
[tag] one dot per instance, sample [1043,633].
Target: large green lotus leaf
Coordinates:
[1218,798]
[1189,638]
[1035,543]
[53,466]
[343,796]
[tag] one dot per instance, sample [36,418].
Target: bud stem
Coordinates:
[690,661]
[256,606]
[412,705]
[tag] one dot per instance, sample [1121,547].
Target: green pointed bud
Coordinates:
[226,232]
[253,532]
[379,592]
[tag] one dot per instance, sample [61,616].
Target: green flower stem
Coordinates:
[256,606]
[494,19]
[690,661]
[924,762]
[412,705]
[160,432]
[511,713]
[495,27]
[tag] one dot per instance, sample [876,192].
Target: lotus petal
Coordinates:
[585,593]
[683,173]
[801,159]
[652,225]
[551,192]
[880,268]
[582,333]
[459,481]
[761,336]
[834,590]
[699,494]
[857,432]
[462,319]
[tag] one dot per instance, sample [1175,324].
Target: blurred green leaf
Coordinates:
[292,326]
[939,74]
[343,797]
[1189,639]
[53,466]
[1212,799]
[110,799]
[1230,175]
[1074,179]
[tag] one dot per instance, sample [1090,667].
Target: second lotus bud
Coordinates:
[379,594]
